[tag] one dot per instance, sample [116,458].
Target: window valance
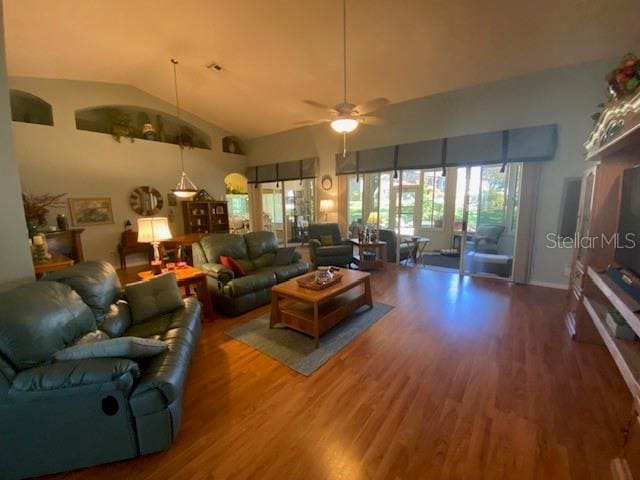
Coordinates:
[515,145]
[279,172]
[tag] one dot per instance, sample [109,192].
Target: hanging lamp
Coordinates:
[185,187]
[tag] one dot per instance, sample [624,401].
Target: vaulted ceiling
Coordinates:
[276,53]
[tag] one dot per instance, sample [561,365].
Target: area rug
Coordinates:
[297,350]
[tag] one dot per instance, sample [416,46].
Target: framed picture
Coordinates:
[219,210]
[86,212]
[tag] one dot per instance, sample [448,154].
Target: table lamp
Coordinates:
[372,219]
[326,206]
[153,230]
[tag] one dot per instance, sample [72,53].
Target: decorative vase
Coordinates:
[323,276]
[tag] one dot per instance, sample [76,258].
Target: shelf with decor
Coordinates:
[129,122]
[206,216]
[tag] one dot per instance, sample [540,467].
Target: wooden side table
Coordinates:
[190,277]
[379,248]
[56,262]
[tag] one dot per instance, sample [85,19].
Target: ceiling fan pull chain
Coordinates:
[344,145]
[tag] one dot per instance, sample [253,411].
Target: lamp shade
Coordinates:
[326,205]
[372,218]
[153,229]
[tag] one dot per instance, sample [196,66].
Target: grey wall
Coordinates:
[566,96]
[15,259]
[62,159]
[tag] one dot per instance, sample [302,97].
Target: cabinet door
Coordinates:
[584,215]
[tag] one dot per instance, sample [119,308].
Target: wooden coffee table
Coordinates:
[316,311]
[190,277]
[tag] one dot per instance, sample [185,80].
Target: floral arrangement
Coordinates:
[36,207]
[624,79]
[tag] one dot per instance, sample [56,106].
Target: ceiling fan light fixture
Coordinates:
[344,124]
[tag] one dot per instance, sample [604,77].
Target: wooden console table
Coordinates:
[56,262]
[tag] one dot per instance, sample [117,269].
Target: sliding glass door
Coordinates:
[288,209]
[485,219]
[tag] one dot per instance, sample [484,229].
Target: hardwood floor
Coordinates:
[464,379]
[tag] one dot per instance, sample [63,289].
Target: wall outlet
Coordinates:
[567,270]
[112,254]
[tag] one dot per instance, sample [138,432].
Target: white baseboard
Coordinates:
[558,286]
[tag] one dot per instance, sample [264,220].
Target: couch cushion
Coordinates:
[251,283]
[318,229]
[284,256]
[225,244]
[96,282]
[187,317]
[229,262]
[122,347]
[76,373]
[156,296]
[38,319]
[265,260]
[326,240]
[285,272]
[117,319]
[259,243]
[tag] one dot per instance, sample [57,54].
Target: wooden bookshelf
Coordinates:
[592,294]
[205,217]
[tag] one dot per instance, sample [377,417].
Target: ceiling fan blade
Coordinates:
[314,104]
[311,122]
[371,120]
[370,106]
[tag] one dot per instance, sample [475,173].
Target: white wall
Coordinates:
[566,96]
[61,159]
[15,259]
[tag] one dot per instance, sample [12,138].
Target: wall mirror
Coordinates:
[145,201]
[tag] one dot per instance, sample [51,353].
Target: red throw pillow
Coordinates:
[229,262]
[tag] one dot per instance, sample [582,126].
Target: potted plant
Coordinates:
[36,208]
[120,125]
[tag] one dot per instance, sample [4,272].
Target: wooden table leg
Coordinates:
[316,324]
[204,297]
[367,292]
[275,310]
[384,257]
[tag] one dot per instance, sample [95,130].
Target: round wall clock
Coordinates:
[326,182]
[145,201]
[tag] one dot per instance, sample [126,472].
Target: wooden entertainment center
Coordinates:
[613,147]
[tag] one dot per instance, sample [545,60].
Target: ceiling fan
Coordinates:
[345,117]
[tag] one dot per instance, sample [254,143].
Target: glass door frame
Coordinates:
[508,217]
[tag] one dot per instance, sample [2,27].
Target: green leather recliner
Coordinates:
[62,415]
[256,253]
[340,253]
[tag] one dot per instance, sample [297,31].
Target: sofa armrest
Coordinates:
[74,376]
[218,271]
[346,241]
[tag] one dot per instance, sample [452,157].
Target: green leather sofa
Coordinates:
[61,415]
[340,253]
[256,253]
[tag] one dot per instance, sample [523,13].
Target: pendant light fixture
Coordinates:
[185,188]
[344,123]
